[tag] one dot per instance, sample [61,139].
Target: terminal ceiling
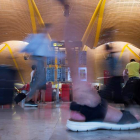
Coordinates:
[121,20]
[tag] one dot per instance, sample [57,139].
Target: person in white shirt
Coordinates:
[32,82]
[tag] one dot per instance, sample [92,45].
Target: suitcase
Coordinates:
[19,97]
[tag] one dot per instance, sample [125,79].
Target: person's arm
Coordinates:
[32,75]
[139,68]
[126,71]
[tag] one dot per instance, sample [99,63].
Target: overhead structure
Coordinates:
[34,11]
[98,11]
[127,47]
[118,20]
[14,60]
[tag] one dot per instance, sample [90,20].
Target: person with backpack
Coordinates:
[131,89]
[132,69]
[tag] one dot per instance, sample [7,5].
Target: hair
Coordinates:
[48,25]
[33,67]
[132,60]
[107,47]
[44,27]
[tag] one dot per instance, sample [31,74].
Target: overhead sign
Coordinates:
[82,58]
[62,44]
[51,74]
[50,61]
[61,74]
[57,44]
[61,59]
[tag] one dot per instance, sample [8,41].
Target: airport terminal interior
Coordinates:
[59,58]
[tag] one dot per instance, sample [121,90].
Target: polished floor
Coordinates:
[48,122]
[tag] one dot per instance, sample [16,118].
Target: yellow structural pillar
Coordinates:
[41,22]
[91,23]
[101,13]
[14,60]
[126,46]
[32,16]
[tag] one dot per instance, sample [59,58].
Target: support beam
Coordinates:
[32,16]
[16,65]
[126,46]
[91,23]
[41,22]
[101,13]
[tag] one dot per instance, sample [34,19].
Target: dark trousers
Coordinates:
[113,90]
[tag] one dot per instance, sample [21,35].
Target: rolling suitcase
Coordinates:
[19,97]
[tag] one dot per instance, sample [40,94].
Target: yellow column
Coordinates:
[91,23]
[32,16]
[16,65]
[126,46]
[41,22]
[99,23]
[122,51]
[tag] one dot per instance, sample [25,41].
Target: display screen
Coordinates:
[82,73]
[57,44]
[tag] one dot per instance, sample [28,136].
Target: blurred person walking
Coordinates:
[132,69]
[113,89]
[33,101]
[38,48]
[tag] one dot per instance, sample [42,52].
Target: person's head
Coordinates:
[45,28]
[49,83]
[132,60]
[33,67]
[108,48]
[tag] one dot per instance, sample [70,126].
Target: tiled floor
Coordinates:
[48,122]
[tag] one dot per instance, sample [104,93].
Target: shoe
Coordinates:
[88,126]
[30,104]
[127,122]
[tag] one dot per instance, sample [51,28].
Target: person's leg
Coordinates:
[118,96]
[36,96]
[43,92]
[39,76]
[83,94]
[107,93]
